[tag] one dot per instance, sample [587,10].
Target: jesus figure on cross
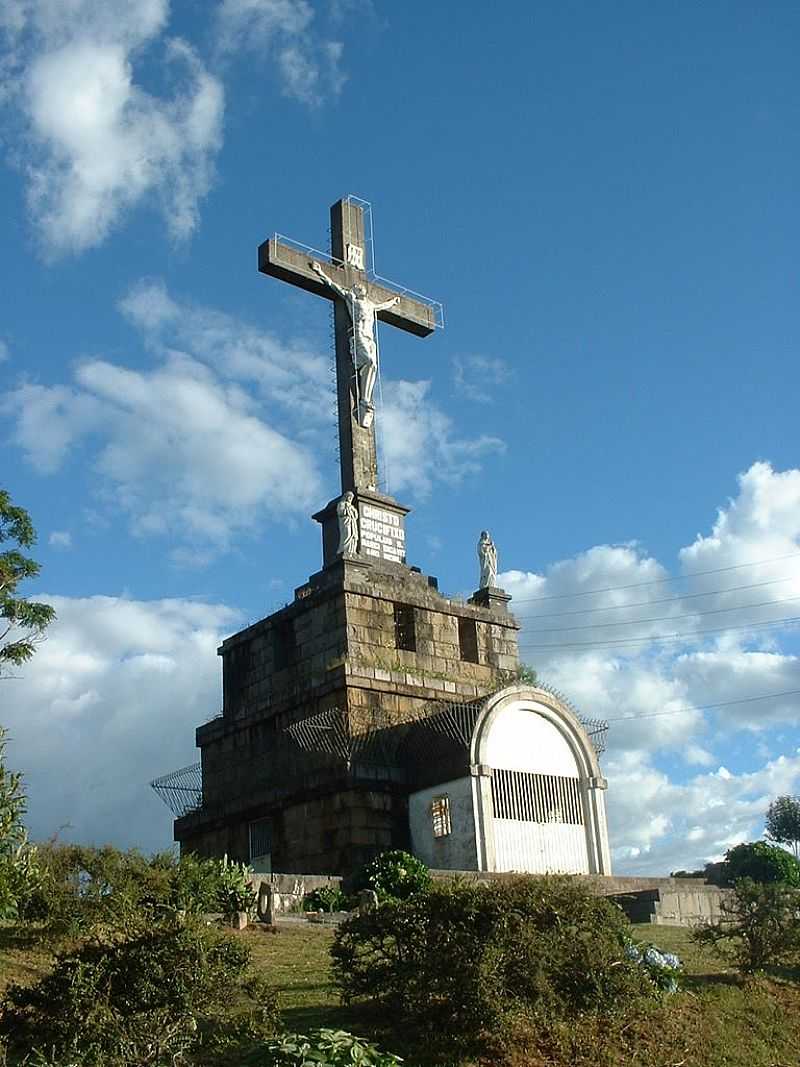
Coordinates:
[363,313]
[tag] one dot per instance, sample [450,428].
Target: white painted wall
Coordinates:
[540,848]
[458,850]
[521,740]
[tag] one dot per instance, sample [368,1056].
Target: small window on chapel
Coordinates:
[405,634]
[468,640]
[440,815]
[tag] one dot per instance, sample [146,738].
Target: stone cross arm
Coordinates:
[281,260]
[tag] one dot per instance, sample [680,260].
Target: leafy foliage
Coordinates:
[83,889]
[759,927]
[762,862]
[235,890]
[394,875]
[664,969]
[19,867]
[322,1048]
[783,822]
[465,960]
[143,999]
[326,898]
[24,621]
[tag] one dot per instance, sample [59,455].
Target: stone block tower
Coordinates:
[301,772]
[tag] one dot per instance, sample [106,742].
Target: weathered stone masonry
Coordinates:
[336,647]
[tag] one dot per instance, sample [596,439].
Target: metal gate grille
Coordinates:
[543,798]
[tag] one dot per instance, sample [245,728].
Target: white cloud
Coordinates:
[109,702]
[577,618]
[60,539]
[185,449]
[478,377]
[99,143]
[419,444]
[309,66]
[290,375]
[181,452]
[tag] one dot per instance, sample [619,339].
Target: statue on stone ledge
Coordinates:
[362,312]
[487,557]
[348,526]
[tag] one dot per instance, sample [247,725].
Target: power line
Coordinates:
[664,637]
[659,618]
[663,600]
[706,707]
[655,581]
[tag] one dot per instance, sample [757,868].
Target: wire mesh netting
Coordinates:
[181,790]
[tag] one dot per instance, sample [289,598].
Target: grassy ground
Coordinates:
[716,1021]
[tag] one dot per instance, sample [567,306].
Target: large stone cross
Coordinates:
[359,300]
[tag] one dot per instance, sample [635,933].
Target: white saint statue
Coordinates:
[362,312]
[487,557]
[348,526]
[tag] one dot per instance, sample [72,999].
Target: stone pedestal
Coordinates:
[491,597]
[381,527]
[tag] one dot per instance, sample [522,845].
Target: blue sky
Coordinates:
[602,195]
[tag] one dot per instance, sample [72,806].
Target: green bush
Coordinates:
[465,960]
[326,898]
[394,875]
[759,926]
[322,1048]
[82,889]
[235,892]
[144,999]
[762,862]
[19,861]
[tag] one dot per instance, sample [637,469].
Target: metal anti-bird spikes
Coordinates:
[357,449]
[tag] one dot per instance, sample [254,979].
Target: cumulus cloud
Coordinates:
[601,627]
[181,452]
[478,377]
[60,539]
[98,142]
[109,702]
[309,65]
[289,374]
[419,443]
[223,431]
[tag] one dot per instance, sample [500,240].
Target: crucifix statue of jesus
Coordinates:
[363,345]
[360,301]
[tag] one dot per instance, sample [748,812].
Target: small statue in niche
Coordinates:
[487,557]
[348,525]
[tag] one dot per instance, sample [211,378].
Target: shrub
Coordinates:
[325,1048]
[83,889]
[19,862]
[142,999]
[664,969]
[394,875]
[467,959]
[759,927]
[762,862]
[326,898]
[235,892]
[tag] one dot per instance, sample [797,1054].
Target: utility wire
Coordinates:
[664,637]
[654,581]
[663,600]
[706,707]
[659,618]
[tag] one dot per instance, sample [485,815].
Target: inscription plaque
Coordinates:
[382,533]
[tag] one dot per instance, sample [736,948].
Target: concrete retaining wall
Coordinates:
[289,889]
